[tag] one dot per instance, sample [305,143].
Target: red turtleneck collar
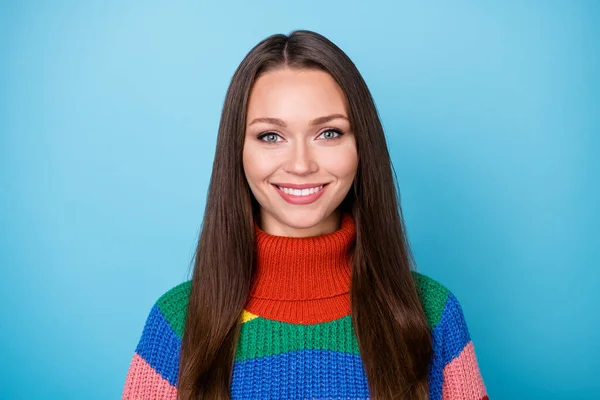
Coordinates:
[303,280]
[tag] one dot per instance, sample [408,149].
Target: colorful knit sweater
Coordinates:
[297,339]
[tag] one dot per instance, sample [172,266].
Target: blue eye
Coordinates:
[329,134]
[270,137]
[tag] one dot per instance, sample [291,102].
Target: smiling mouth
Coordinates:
[301,192]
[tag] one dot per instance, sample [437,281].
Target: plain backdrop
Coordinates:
[108,121]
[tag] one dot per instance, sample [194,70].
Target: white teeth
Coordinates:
[301,192]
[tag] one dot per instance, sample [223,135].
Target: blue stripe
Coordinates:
[301,374]
[449,337]
[455,331]
[436,367]
[160,345]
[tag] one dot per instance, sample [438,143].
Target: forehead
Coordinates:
[296,94]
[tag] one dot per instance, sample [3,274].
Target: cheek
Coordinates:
[342,163]
[256,166]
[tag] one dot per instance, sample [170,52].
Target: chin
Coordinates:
[302,219]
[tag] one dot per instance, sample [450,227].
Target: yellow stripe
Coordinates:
[247,316]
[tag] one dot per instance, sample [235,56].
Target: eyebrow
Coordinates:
[316,121]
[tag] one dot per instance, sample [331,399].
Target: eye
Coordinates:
[331,134]
[269,137]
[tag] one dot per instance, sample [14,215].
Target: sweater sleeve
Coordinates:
[153,370]
[462,378]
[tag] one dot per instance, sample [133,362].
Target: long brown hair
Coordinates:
[390,324]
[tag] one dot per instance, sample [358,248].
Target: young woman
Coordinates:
[303,285]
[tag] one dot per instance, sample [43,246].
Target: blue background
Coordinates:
[108,120]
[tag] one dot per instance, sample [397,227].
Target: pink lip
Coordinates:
[290,198]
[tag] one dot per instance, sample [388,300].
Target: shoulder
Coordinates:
[454,370]
[440,305]
[157,351]
[172,306]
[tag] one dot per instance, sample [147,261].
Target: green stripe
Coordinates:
[173,304]
[433,296]
[262,337]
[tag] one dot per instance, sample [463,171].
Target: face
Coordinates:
[299,154]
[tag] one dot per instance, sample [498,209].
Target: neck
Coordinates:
[272,226]
[303,279]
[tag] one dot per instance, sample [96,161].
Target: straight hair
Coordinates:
[393,335]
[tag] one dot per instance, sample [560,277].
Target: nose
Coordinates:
[301,160]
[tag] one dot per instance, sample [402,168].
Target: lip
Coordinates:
[303,186]
[300,200]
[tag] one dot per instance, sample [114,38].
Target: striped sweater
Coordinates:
[297,339]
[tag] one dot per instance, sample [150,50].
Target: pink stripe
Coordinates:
[143,382]
[462,378]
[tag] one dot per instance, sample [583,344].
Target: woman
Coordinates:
[302,285]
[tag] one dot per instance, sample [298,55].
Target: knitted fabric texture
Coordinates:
[297,339]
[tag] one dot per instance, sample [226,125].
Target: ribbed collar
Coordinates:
[297,276]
